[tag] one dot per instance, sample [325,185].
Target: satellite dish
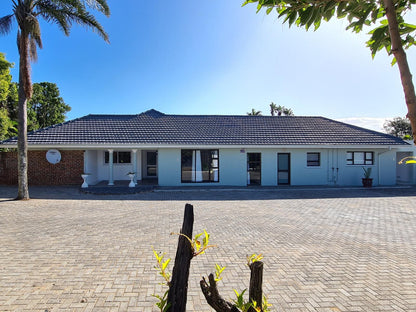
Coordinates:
[53,156]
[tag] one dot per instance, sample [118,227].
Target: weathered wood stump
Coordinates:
[214,299]
[256,281]
[178,289]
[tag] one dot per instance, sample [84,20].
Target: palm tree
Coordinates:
[26,13]
[281,110]
[273,108]
[254,113]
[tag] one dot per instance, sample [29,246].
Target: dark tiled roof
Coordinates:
[153,127]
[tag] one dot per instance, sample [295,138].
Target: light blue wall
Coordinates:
[386,168]
[332,171]
[233,167]
[169,167]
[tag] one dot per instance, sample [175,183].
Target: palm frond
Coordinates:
[33,52]
[64,13]
[6,24]
[99,5]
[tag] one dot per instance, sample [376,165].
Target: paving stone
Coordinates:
[325,249]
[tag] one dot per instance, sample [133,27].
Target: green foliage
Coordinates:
[359,14]
[7,127]
[162,266]
[5,79]
[254,258]
[245,305]
[254,113]
[240,302]
[198,246]
[367,172]
[163,304]
[399,127]
[218,271]
[48,107]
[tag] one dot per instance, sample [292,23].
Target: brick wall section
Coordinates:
[41,172]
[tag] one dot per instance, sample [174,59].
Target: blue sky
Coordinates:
[214,57]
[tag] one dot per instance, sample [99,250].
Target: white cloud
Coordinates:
[371,123]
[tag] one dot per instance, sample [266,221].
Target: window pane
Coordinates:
[313,159]
[123,157]
[186,163]
[151,171]
[349,156]
[358,158]
[208,164]
[283,162]
[283,177]
[151,158]
[107,157]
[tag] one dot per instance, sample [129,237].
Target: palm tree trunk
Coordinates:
[24,95]
[400,55]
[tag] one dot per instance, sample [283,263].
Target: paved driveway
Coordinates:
[324,249]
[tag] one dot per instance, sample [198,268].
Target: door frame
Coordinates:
[248,171]
[288,170]
[145,164]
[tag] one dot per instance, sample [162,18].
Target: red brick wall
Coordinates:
[41,172]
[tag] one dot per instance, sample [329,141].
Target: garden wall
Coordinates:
[41,172]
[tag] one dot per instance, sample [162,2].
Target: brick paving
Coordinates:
[325,249]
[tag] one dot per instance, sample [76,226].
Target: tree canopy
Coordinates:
[45,108]
[254,112]
[280,110]
[48,107]
[358,13]
[399,127]
[6,124]
[27,13]
[390,31]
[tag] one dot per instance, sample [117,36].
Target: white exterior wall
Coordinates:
[119,170]
[90,166]
[333,169]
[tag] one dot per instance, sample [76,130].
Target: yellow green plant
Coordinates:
[218,271]
[198,246]
[254,258]
[162,268]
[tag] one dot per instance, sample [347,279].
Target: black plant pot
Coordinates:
[367,182]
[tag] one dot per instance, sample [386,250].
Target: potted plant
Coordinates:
[367,181]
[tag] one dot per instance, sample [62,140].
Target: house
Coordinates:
[177,150]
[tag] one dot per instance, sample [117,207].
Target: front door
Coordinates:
[253,168]
[151,164]
[283,168]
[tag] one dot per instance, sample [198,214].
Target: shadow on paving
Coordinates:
[8,193]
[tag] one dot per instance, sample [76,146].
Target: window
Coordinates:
[118,157]
[199,166]
[313,159]
[360,158]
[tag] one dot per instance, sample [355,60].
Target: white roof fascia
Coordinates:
[196,146]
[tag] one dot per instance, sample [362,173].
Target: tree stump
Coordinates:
[178,288]
[256,281]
